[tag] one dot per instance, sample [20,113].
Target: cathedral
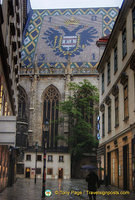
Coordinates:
[59,47]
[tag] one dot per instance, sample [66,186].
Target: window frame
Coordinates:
[27,157]
[115,59]
[126,103]
[117,110]
[51,111]
[108,72]
[124,42]
[50,160]
[38,170]
[109,118]
[49,171]
[103,82]
[38,157]
[103,124]
[133,22]
[61,160]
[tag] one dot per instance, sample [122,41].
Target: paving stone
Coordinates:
[26,189]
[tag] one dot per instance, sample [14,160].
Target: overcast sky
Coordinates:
[51,4]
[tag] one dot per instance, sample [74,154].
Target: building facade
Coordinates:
[59,47]
[57,165]
[117,102]
[10,54]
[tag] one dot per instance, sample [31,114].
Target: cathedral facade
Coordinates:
[59,47]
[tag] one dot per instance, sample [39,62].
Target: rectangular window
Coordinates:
[3,104]
[20,168]
[102,83]
[61,158]
[28,157]
[17,3]
[103,125]
[38,171]
[1,96]
[115,60]
[126,114]
[50,158]
[49,171]
[116,111]
[109,118]
[124,43]
[39,157]
[108,73]
[133,18]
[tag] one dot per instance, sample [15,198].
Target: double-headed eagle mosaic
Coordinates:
[64,41]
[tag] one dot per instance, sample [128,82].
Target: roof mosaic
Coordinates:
[52,36]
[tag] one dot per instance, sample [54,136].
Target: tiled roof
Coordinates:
[49,33]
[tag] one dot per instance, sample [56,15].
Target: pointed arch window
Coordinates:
[50,112]
[22,99]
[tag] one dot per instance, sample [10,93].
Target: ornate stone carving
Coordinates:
[102,107]
[115,90]
[107,100]
[123,78]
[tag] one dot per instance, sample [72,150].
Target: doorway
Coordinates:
[125,167]
[27,172]
[60,173]
[109,167]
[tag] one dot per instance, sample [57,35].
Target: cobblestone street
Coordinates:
[25,189]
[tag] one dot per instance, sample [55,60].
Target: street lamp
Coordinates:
[36,148]
[45,129]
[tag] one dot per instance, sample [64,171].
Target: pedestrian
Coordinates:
[93,184]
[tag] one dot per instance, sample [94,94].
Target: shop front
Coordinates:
[119,162]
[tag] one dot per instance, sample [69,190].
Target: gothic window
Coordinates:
[22,99]
[51,100]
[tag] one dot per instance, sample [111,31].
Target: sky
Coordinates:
[52,4]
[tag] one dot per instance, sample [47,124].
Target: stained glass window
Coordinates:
[51,100]
[22,99]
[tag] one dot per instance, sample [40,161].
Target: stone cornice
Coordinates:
[132,126]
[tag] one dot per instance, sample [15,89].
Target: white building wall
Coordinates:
[31,164]
[55,165]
